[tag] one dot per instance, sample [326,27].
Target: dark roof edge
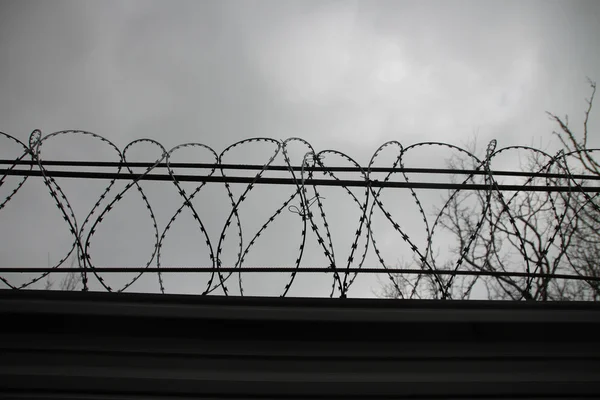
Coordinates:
[292,309]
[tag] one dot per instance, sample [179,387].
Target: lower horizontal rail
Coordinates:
[366,270]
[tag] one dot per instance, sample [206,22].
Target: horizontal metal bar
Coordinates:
[256,167]
[365,270]
[295,182]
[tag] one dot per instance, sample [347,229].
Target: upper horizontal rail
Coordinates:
[257,167]
[292,181]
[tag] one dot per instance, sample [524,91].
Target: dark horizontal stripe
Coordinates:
[296,182]
[339,270]
[256,167]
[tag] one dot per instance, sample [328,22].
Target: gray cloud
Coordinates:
[346,75]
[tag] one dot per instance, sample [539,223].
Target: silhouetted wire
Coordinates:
[290,181]
[311,210]
[312,270]
[252,167]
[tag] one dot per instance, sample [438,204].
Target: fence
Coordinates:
[532,238]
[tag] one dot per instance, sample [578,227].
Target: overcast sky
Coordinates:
[346,75]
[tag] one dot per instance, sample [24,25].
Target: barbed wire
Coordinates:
[564,190]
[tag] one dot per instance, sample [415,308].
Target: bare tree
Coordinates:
[70,281]
[510,233]
[535,234]
[584,250]
[410,286]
